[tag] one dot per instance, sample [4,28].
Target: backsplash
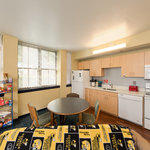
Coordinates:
[114,75]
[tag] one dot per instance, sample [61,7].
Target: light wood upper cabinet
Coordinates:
[115,61]
[95,68]
[147,57]
[105,62]
[83,65]
[133,64]
[86,64]
[80,65]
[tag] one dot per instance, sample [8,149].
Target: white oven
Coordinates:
[147,71]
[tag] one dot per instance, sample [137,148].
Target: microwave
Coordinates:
[147,71]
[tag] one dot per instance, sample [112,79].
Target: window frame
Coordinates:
[39,69]
[69,69]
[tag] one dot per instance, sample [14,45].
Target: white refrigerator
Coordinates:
[80,80]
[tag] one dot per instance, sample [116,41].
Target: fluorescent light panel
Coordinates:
[107,49]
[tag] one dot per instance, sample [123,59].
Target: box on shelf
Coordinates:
[2,101]
[5,119]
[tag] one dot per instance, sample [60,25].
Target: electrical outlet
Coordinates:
[147,85]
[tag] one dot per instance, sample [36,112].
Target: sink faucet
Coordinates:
[110,84]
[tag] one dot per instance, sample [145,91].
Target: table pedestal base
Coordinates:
[61,119]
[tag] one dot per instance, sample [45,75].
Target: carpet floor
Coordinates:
[25,121]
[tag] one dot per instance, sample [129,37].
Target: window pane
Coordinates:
[45,77]
[23,78]
[52,60]
[33,58]
[33,78]
[30,62]
[52,77]
[45,59]
[22,56]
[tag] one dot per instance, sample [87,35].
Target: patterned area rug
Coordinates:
[68,137]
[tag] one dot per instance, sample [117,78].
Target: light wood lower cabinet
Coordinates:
[108,100]
[91,96]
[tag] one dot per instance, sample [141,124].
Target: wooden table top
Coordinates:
[68,106]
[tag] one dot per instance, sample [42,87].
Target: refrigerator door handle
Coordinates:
[79,74]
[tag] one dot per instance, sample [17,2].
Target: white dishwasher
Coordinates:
[131,108]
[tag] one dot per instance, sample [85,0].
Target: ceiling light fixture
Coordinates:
[107,49]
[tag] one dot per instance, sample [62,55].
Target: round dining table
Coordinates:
[67,106]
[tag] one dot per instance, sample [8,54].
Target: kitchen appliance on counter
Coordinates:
[93,82]
[147,107]
[131,108]
[134,87]
[80,80]
[100,83]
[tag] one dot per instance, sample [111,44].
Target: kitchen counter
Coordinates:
[119,91]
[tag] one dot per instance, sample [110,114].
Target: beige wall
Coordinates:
[135,40]
[41,98]
[74,62]
[1,64]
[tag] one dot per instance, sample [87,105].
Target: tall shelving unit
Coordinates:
[6,104]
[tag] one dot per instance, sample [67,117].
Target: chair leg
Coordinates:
[48,124]
[32,124]
[55,122]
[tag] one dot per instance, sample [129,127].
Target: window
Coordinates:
[68,68]
[36,67]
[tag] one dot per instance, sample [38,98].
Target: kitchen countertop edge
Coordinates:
[119,91]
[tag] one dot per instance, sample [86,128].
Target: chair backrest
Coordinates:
[73,95]
[97,111]
[33,115]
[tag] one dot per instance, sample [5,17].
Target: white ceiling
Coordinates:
[73,24]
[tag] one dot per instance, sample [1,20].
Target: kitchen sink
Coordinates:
[110,89]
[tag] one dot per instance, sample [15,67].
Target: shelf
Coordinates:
[3,82]
[5,105]
[6,110]
[6,125]
[6,92]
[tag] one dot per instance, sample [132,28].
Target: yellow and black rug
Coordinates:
[89,137]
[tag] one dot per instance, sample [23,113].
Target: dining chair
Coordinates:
[39,120]
[73,95]
[90,119]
